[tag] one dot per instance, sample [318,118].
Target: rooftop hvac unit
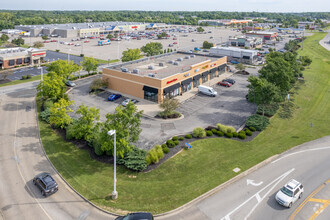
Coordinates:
[171,61]
[192,56]
[136,71]
[161,64]
[151,75]
[187,57]
[176,63]
[180,59]
[125,70]
[150,67]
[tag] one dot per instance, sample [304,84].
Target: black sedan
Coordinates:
[231,81]
[46,184]
[136,216]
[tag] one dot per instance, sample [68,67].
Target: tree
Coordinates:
[152,48]
[207,45]
[200,29]
[89,64]
[131,54]
[109,36]
[63,68]
[59,113]
[52,86]
[126,122]
[18,41]
[162,35]
[169,106]
[44,37]
[84,126]
[98,84]
[38,44]
[4,37]
[262,91]
[240,67]
[306,60]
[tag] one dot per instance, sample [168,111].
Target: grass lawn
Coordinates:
[15,82]
[209,162]
[105,61]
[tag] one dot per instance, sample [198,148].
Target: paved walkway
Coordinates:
[325,42]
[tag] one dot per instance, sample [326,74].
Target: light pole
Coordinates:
[41,71]
[114,193]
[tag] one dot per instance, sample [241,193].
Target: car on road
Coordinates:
[289,193]
[170,45]
[53,41]
[46,41]
[126,101]
[224,83]
[86,41]
[77,45]
[136,216]
[175,42]
[114,97]
[46,184]
[231,81]
[70,83]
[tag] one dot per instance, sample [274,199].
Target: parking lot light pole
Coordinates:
[114,193]
[42,79]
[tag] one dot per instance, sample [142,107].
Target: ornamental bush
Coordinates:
[170,143]
[153,156]
[164,145]
[188,136]
[159,151]
[181,138]
[220,133]
[136,159]
[235,134]
[175,138]
[199,132]
[248,132]
[176,143]
[214,131]
[148,159]
[166,150]
[44,115]
[241,136]
[98,150]
[48,104]
[222,128]
[229,135]
[230,129]
[269,110]
[252,129]
[209,133]
[258,122]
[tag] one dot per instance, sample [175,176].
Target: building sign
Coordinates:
[38,54]
[173,80]
[196,70]
[187,74]
[204,67]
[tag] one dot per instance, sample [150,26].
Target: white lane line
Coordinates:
[276,181]
[258,198]
[303,151]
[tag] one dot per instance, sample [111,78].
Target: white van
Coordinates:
[207,90]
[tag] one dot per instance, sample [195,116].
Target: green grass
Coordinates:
[209,162]
[15,82]
[105,61]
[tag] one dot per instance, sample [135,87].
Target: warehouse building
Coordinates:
[267,36]
[236,54]
[162,76]
[12,57]
[84,29]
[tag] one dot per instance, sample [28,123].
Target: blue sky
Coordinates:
[172,5]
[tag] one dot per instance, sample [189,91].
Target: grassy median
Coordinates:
[209,162]
[15,82]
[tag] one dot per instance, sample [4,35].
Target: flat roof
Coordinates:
[18,51]
[168,69]
[260,32]
[235,49]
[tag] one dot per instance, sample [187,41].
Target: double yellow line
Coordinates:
[310,198]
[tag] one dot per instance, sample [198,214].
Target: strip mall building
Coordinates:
[167,75]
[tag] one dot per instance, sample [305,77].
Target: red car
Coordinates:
[175,42]
[46,41]
[224,83]
[86,41]
[174,38]
[53,41]
[70,43]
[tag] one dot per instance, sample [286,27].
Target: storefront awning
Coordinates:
[187,81]
[150,89]
[197,77]
[171,88]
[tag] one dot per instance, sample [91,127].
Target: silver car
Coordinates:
[126,101]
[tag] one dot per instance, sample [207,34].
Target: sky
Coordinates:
[172,5]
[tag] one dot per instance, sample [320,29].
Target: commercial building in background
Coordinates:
[85,29]
[223,22]
[18,56]
[236,54]
[166,75]
[242,41]
[267,37]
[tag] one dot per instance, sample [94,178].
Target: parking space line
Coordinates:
[309,198]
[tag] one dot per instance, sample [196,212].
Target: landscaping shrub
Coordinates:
[98,150]
[214,131]
[199,132]
[176,143]
[222,128]
[229,135]
[230,129]
[209,133]
[159,151]
[164,145]
[235,134]
[136,159]
[241,136]
[242,132]
[48,104]
[269,110]
[170,143]
[24,77]
[44,115]
[153,155]
[220,133]
[175,138]
[257,121]
[248,133]
[188,136]
[28,76]
[252,129]
[181,138]
[69,132]
[166,150]
[148,159]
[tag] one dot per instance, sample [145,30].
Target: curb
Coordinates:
[81,196]
[220,187]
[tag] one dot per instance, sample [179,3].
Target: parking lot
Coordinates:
[230,107]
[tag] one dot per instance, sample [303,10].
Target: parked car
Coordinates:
[170,45]
[77,45]
[46,41]
[53,41]
[126,101]
[234,62]
[46,184]
[205,50]
[224,83]
[289,193]
[86,41]
[70,43]
[192,40]
[70,83]
[175,42]
[114,97]
[231,81]
[136,216]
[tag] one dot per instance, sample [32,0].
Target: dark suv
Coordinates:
[46,184]
[231,81]
[136,216]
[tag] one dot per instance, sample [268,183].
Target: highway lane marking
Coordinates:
[303,151]
[257,195]
[19,169]
[320,210]
[309,198]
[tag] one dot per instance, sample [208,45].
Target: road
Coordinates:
[22,157]
[253,196]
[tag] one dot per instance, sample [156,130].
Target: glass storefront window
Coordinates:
[196,83]
[212,75]
[186,88]
[205,79]
[151,96]
[172,93]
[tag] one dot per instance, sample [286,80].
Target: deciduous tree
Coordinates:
[63,68]
[152,48]
[131,54]
[59,113]
[89,64]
